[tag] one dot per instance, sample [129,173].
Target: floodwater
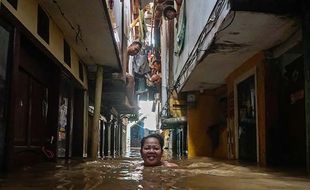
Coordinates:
[127,173]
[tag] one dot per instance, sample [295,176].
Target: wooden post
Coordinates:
[306,47]
[98,93]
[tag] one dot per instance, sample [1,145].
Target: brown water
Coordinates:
[127,173]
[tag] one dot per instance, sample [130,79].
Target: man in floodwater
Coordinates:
[152,151]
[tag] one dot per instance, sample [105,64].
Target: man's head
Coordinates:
[170,13]
[152,149]
[134,48]
[156,64]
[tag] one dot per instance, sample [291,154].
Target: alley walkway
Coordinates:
[126,173]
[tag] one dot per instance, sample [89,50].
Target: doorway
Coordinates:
[30,131]
[5,60]
[247,129]
[292,113]
[65,121]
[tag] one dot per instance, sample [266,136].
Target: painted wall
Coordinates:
[257,63]
[199,33]
[207,107]
[127,38]
[201,117]
[115,13]
[26,13]
[194,27]
[164,37]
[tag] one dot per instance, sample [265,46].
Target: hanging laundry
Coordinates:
[140,63]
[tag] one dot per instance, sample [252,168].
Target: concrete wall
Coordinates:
[164,37]
[201,116]
[116,19]
[194,26]
[257,64]
[207,112]
[26,13]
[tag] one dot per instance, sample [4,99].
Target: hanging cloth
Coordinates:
[142,26]
[181,29]
[140,63]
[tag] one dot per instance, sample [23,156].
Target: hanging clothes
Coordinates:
[140,82]
[142,26]
[181,29]
[140,63]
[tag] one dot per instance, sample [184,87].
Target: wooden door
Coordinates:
[5,67]
[30,128]
[30,131]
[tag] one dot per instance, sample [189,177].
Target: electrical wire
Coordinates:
[217,10]
[231,21]
[77,31]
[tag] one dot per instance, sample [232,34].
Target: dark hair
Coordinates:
[156,61]
[136,42]
[156,136]
[166,10]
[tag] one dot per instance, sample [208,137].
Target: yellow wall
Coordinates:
[26,13]
[257,63]
[176,111]
[206,113]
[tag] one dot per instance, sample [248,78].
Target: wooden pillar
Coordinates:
[306,47]
[98,93]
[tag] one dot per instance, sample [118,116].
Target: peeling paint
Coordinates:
[226,47]
[234,33]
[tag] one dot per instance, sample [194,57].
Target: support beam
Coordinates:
[306,47]
[98,94]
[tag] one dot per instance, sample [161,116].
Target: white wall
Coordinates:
[117,19]
[164,61]
[197,15]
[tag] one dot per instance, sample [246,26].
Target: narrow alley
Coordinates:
[155,94]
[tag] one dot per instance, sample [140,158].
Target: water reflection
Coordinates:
[127,173]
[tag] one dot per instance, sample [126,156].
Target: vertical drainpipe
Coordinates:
[306,48]
[85,124]
[98,93]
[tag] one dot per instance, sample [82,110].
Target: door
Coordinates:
[29,130]
[31,124]
[5,52]
[293,114]
[247,120]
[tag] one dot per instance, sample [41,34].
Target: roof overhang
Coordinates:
[241,35]
[87,28]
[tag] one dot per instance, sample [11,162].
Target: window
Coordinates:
[67,53]
[81,73]
[43,25]
[13,3]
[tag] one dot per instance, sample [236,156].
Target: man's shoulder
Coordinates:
[169,164]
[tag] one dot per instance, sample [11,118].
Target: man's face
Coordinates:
[133,49]
[157,66]
[170,14]
[151,152]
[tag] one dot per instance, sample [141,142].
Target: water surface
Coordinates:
[127,173]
